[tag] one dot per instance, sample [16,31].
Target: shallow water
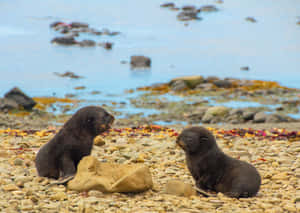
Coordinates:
[218,45]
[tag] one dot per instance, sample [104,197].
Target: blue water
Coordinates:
[218,45]
[243,104]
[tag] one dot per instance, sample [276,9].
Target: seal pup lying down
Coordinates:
[59,157]
[214,170]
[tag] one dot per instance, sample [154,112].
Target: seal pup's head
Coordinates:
[196,140]
[93,120]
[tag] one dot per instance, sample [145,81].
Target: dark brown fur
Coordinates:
[212,169]
[59,157]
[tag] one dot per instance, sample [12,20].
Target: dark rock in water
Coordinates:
[20,98]
[281,108]
[87,43]
[168,5]
[65,30]
[174,8]
[56,23]
[188,16]
[79,25]
[223,83]
[60,26]
[70,95]
[95,32]
[251,19]
[68,74]
[106,45]
[178,85]
[140,62]
[95,92]
[245,68]
[260,117]
[66,40]
[209,8]
[8,104]
[189,8]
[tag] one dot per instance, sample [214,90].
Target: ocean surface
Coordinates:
[218,45]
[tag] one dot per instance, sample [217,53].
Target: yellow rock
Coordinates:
[4,154]
[191,81]
[141,158]
[10,187]
[131,141]
[99,141]
[59,196]
[179,188]
[281,176]
[290,207]
[110,177]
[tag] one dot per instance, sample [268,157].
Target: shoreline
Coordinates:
[276,160]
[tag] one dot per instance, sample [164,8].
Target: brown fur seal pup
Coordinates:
[59,157]
[212,169]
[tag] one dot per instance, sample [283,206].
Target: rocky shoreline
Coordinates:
[203,100]
[184,100]
[276,159]
[272,147]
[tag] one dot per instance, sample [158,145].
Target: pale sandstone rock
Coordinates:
[110,177]
[179,188]
[10,187]
[59,196]
[99,141]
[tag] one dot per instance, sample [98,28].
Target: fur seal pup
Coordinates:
[214,170]
[59,157]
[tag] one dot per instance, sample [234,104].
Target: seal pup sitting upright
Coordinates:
[214,170]
[59,157]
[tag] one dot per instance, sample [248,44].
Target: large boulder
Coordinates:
[87,43]
[216,113]
[223,83]
[138,61]
[248,115]
[197,115]
[8,104]
[188,15]
[23,101]
[179,188]
[79,25]
[179,85]
[64,40]
[276,118]
[109,177]
[235,116]
[190,81]
[260,117]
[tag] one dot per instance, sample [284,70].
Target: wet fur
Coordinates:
[60,156]
[214,170]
